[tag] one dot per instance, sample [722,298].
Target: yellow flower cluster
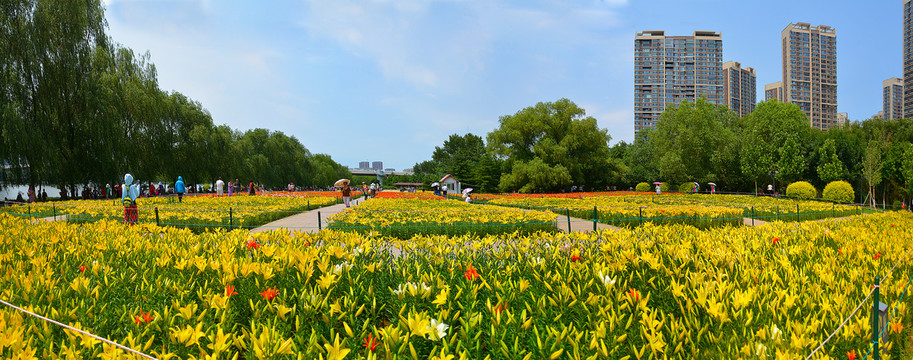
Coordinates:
[195,212]
[701,210]
[408,217]
[774,291]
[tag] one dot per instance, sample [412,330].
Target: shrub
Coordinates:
[839,191]
[686,188]
[801,190]
[665,187]
[643,187]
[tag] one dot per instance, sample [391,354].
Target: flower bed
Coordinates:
[655,292]
[198,213]
[406,217]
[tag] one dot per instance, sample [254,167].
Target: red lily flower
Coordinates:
[877,255]
[230,290]
[82,269]
[370,342]
[269,294]
[498,309]
[143,317]
[634,294]
[575,258]
[775,240]
[252,244]
[851,355]
[471,274]
[840,251]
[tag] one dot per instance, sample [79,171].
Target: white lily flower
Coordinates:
[439,328]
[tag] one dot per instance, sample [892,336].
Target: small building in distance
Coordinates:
[453,185]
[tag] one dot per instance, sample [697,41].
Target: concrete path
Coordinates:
[753,222]
[581,225]
[306,221]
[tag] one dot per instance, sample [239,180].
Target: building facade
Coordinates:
[810,71]
[908,59]
[892,97]
[774,91]
[740,88]
[364,165]
[670,69]
[377,165]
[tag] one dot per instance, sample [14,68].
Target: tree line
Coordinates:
[554,146]
[78,108]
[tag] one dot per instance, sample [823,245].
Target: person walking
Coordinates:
[31,193]
[251,190]
[238,187]
[219,185]
[131,192]
[179,188]
[346,194]
[659,190]
[231,188]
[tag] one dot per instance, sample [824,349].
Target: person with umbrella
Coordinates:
[659,191]
[346,190]
[434,187]
[712,188]
[131,192]
[466,195]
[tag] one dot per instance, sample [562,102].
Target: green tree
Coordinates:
[693,141]
[871,165]
[831,168]
[556,138]
[773,135]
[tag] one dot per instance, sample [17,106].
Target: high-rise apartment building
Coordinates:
[774,91]
[810,71]
[740,88]
[377,165]
[669,69]
[908,59]
[364,165]
[892,98]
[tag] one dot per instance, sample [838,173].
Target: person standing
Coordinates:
[444,190]
[238,187]
[346,194]
[179,188]
[231,188]
[131,192]
[219,185]
[251,190]
[659,190]
[31,193]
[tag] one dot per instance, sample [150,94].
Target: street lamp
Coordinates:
[773,180]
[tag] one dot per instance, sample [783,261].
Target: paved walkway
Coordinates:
[306,221]
[581,225]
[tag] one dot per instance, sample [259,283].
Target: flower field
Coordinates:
[699,210]
[774,291]
[195,212]
[408,216]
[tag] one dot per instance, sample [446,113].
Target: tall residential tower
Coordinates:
[892,98]
[810,71]
[740,88]
[908,59]
[669,69]
[774,91]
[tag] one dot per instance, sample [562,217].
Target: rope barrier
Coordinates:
[841,324]
[77,330]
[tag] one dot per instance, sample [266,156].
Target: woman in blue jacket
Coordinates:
[179,188]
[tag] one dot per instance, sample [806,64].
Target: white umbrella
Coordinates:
[435,184]
[466,191]
[341,183]
[710,183]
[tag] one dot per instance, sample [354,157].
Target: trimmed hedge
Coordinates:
[686,188]
[801,190]
[839,192]
[643,187]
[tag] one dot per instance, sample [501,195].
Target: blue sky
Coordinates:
[389,80]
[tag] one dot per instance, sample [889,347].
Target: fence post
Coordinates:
[797,212]
[833,210]
[641,216]
[30,209]
[595,216]
[875,322]
[54,207]
[752,215]
[568,212]
[309,204]
[230,218]
[319,222]
[157,216]
[778,212]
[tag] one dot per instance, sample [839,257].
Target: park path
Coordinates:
[307,221]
